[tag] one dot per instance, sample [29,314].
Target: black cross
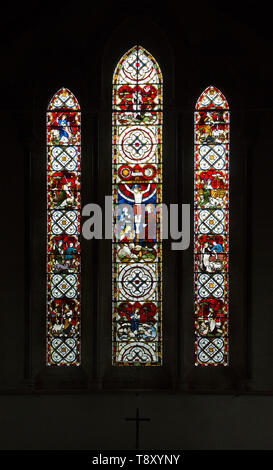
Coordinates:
[137,419]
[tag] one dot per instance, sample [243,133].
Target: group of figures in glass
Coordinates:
[137,243]
[137,180]
[211,228]
[64,205]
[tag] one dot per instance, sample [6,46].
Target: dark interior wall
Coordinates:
[98,422]
[260,263]
[232,52]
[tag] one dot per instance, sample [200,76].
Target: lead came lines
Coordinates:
[137,96]
[63,259]
[211,223]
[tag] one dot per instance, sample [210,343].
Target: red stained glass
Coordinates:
[137,179]
[63,233]
[211,228]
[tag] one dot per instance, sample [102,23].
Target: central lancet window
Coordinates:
[137,195]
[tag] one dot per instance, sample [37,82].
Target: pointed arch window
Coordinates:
[137,191]
[211,228]
[63,229]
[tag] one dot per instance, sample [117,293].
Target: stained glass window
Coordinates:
[211,228]
[137,183]
[63,232]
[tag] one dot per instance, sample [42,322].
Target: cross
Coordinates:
[137,419]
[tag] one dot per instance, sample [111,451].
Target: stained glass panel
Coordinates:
[63,229]
[137,181]
[211,228]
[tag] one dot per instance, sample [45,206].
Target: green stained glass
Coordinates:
[137,179]
[63,230]
[211,228]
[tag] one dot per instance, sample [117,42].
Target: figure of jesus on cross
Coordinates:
[137,207]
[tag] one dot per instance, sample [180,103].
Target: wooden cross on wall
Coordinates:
[137,419]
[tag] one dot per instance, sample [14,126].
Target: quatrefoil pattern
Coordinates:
[63,230]
[211,228]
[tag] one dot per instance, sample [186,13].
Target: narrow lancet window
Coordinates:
[63,230]
[211,228]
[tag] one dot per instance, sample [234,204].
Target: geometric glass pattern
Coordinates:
[63,229]
[137,195]
[211,227]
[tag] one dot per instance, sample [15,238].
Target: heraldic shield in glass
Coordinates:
[211,228]
[137,183]
[63,232]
